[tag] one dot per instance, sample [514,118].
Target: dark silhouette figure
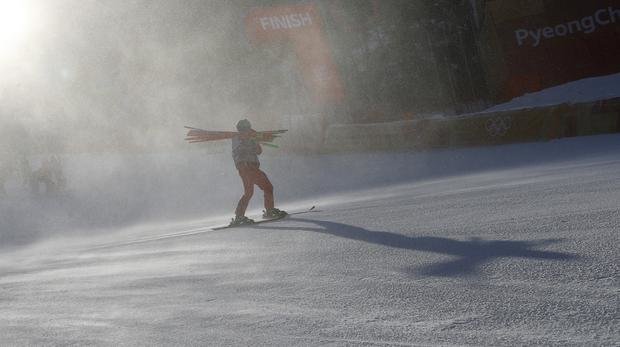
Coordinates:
[469,254]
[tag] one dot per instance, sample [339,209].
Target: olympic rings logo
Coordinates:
[498,126]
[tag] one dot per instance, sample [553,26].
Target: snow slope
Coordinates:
[522,252]
[117,191]
[585,90]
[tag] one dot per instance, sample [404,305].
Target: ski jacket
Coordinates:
[245,151]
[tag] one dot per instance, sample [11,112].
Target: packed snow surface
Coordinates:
[584,90]
[521,253]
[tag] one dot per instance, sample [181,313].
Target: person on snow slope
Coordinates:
[245,152]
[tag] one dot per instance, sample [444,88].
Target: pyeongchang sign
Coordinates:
[551,42]
[588,24]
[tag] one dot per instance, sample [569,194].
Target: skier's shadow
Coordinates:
[469,254]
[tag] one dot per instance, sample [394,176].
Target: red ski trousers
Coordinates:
[251,175]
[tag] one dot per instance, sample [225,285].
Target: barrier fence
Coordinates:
[528,125]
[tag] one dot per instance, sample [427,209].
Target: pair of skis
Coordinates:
[266,220]
[192,232]
[266,138]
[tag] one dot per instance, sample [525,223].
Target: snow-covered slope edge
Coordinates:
[109,192]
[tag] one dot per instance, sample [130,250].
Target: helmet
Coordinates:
[244,124]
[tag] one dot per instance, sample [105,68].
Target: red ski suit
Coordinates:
[245,154]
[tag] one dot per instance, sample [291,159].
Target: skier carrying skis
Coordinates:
[245,152]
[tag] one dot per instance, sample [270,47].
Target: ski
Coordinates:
[195,135]
[261,221]
[192,232]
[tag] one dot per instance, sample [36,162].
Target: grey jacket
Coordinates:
[245,151]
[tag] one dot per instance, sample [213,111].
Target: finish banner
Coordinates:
[301,26]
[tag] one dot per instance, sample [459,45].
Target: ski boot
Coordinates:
[240,220]
[273,213]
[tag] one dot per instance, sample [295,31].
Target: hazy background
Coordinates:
[127,75]
[94,96]
[95,75]
[101,87]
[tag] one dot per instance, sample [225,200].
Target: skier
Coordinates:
[245,152]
